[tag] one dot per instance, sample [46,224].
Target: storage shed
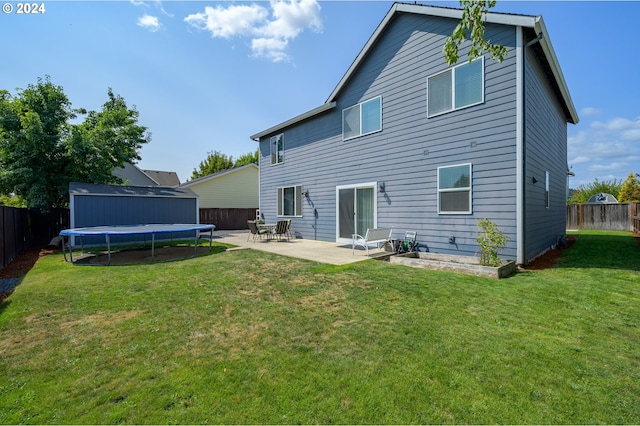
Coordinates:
[99,205]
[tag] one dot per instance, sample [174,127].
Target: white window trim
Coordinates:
[470,189]
[453,89]
[547,190]
[297,198]
[271,152]
[360,133]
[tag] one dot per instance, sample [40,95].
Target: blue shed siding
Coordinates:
[545,150]
[407,152]
[99,210]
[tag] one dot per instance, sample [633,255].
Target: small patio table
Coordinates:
[269,228]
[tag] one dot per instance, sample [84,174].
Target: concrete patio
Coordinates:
[319,251]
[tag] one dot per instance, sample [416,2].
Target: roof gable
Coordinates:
[534,23]
[218,175]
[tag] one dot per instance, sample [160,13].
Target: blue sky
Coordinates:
[207,75]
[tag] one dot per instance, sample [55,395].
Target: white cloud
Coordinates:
[270,30]
[589,112]
[270,48]
[605,150]
[228,22]
[291,17]
[149,22]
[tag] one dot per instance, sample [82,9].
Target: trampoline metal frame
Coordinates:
[152,229]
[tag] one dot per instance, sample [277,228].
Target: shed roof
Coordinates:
[78,188]
[535,23]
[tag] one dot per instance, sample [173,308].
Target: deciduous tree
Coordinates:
[41,151]
[584,192]
[472,26]
[630,190]
[245,159]
[214,163]
[217,162]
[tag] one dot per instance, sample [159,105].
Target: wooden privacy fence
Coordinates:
[611,217]
[227,219]
[20,228]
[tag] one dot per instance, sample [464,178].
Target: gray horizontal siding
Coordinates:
[410,148]
[545,150]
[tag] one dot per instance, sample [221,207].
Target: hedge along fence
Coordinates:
[21,228]
[608,217]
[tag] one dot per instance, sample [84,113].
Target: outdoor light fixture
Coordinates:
[534,180]
[305,193]
[381,187]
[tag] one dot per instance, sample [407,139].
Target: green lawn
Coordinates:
[250,337]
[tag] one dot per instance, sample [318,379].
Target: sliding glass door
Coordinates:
[356,210]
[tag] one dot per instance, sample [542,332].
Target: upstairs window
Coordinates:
[455,88]
[454,189]
[277,149]
[362,119]
[290,201]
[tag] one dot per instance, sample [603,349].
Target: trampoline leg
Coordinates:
[153,246]
[195,245]
[64,253]
[106,237]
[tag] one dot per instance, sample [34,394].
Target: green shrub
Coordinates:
[491,239]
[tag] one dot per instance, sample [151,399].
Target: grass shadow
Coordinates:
[604,250]
[4,304]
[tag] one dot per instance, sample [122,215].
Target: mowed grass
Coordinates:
[250,337]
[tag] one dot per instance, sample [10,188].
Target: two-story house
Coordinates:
[408,142]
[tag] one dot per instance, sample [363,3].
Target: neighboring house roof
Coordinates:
[535,23]
[77,188]
[134,176]
[164,178]
[216,175]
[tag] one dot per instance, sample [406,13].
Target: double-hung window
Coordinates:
[454,189]
[290,201]
[455,88]
[277,149]
[362,119]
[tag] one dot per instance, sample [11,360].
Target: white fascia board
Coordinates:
[491,17]
[322,108]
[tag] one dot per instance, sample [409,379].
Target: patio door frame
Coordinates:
[355,187]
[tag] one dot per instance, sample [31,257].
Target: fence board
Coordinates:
[227,219]
[608,217]
[20,228]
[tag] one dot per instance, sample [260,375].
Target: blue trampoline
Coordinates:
[150,229]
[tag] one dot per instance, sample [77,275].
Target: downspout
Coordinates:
[519,148]
[521,144]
